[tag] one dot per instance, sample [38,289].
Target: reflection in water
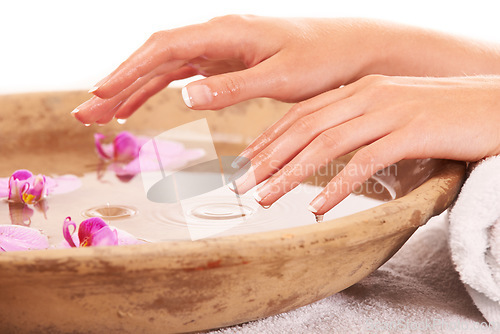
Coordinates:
[216,213]
[20,214]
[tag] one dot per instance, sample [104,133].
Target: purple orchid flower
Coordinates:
[123,153]
[125,147]
[95,232]
[19,238]
[24,187]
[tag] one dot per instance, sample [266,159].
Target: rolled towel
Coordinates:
[475,237]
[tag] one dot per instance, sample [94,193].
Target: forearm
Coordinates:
[409,51]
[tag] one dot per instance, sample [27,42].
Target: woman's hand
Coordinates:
[242,56]
[286,59]
[395,117]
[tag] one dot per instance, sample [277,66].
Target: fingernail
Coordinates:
[232,186]
[75,111]
[317,204]
[262,192]
[197,95]
[121,121]
[185,97]
[93,89]
[87,125]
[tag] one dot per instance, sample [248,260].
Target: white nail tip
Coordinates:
[257,197]
[312,209]
[93,89]
[186,98]
[121,121]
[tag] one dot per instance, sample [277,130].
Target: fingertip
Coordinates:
[198,96]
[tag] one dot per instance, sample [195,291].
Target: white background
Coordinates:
[66,45]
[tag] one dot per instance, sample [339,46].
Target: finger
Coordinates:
[107,117]
[175,48]
[226,89]
[151,88]
[298,111]
[97,108]
[323,149]
[366,162]
[298,136]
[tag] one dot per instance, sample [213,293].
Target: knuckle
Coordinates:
[157,36]
[327,140]
[297,110]
[304,125]
[365,156]
[231,84]
[231,19]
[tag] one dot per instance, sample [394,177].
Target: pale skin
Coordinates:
[396,92]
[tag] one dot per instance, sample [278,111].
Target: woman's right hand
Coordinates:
[242,57]
[291,60]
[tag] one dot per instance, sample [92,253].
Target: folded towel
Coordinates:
[475,237]
[416,291]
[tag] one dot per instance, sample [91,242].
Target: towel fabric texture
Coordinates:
[445,279]
[475,237]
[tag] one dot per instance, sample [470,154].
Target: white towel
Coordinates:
[417,291]
[475,236]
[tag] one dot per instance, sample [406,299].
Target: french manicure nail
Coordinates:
[75,111]
[197,95]
[121,121]
[93,89]
[87,125]
[262,192]
[185,97]
[232,186]
[257,197]
[317,203]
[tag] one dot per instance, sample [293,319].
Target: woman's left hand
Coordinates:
[395,117]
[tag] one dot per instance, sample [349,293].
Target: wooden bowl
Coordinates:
[186,286]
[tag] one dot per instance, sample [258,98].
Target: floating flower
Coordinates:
[95,232]
[18,238]
[24,187]
[125,147]
[123,153]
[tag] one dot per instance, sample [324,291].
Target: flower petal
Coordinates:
[69,235]
[125,238]
[21,174]
[88,227]
[35,190]
[4,187]
[104,237]
[63,184]
[18,238]
[105,151]
[126,146]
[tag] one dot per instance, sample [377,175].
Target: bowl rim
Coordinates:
[431,197]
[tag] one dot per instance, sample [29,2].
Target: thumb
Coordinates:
[226,89]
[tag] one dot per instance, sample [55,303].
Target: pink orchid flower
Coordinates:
[125,147]
[24,187]
[95,232]
[123,153]
[19,238]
